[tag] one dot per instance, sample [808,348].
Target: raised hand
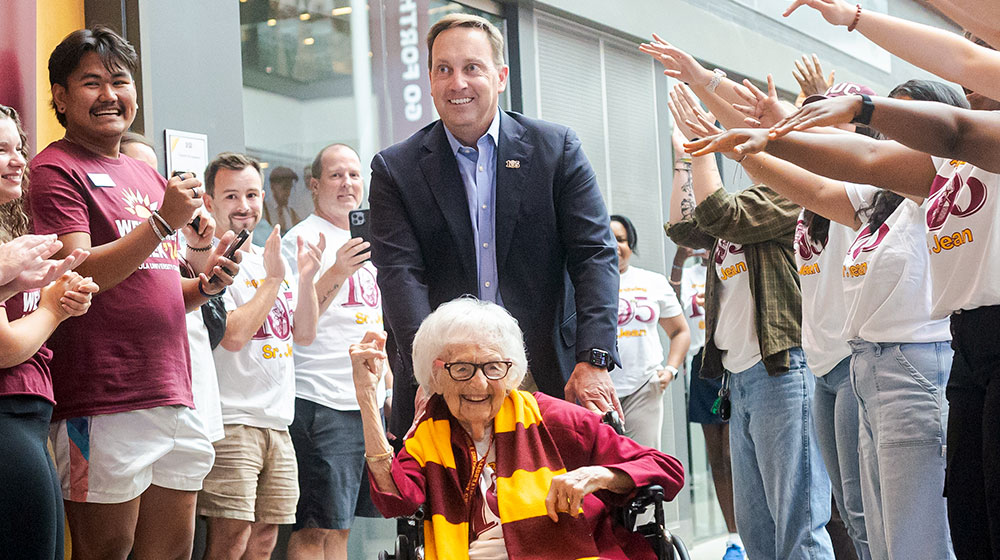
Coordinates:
[741,141]
[351,256]
[836,12]
[220,271]
[826,112]
[761,110]
[694,121]
[76,299]
[25,249]
[67,296]
[677,63]
[202,237]
[274,266]
[809,74]
[310,257]
[35,269]
[180,201]
[368,362]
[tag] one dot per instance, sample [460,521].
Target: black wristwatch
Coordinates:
[867,108]
[597,357]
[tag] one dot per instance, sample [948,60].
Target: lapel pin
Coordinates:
[513,164]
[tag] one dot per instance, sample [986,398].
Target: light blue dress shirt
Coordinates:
[478,167]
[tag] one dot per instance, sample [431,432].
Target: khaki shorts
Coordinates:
[255,477]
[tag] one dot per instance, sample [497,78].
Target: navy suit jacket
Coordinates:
[556,256]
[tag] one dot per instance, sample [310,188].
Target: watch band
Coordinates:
[597,358]
[867,108]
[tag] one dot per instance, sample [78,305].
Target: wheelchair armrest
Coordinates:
[645,496]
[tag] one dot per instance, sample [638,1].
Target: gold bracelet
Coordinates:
[378,458]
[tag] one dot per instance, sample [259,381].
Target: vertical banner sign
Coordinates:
[399,30]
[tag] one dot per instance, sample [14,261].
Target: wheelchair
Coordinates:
[667,546]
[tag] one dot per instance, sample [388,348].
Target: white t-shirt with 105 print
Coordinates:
[257,383]
[887,281]
[323,369]
[736,326]
[823,309]
[963,237]
[644,297]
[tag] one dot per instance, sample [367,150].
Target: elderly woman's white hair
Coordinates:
[468,320]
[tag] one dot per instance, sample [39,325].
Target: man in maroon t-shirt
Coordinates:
[127,443]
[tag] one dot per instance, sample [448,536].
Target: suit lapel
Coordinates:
[441,173]
[513,170]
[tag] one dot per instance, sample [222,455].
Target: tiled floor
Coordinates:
[709,550]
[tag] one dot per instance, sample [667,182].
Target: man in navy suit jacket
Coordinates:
[502,207]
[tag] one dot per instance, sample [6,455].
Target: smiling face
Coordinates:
[237,201]
[12,162]
[99,105]
[338,189]
[476,401]
[465,83]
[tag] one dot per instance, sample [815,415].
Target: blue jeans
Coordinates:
[835,411]
[781,489]
[904,417]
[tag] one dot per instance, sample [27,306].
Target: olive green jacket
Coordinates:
[763,222]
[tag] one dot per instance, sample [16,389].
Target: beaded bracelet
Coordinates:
[857,17]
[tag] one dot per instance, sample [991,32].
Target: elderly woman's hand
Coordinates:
[368,363]
[567,491]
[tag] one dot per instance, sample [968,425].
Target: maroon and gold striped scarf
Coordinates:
[526,461]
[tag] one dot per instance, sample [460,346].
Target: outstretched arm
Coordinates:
[844,157]
[926,126]
[821,195]
[981,17]
[938,51]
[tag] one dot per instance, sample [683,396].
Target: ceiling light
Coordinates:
[272,22]
[304,16]
[341,11]
[308,41]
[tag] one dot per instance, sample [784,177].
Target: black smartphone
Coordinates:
[360,221]
[241,238]
[196,222]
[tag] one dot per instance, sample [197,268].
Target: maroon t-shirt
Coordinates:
[30,377]
[130,350]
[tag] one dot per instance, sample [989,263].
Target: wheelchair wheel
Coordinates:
[384,555]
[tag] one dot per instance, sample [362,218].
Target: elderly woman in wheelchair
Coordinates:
[501,473]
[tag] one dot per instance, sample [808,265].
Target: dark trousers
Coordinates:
[31,506]
[972,485]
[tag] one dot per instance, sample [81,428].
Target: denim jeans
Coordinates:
[781,489]
[835,411]
[904,417]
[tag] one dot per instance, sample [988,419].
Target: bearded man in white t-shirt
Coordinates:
[327,431]
[253,486]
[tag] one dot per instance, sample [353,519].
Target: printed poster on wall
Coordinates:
[186,151]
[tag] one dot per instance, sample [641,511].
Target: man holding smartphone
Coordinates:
[130,450]
[327,431]
[253,486]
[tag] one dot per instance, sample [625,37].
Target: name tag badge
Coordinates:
[100,180]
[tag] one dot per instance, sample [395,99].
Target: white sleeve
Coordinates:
[861,196]
[669,306]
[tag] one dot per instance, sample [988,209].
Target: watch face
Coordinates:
[599,358]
